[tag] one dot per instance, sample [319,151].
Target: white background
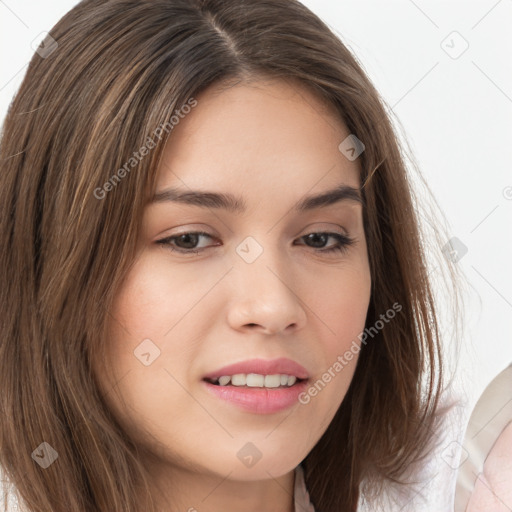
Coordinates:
[456,114]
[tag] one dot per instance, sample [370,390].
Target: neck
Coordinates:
[182,490]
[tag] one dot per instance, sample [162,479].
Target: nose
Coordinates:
[265,298]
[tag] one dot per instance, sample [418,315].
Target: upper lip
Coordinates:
[281,366]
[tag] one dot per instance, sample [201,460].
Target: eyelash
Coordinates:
[344,242]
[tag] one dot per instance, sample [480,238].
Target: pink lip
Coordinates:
[262,367]
[260,400]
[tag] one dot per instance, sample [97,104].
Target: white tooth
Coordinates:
[239,379]
[255,380]
[224,380]
[272,381]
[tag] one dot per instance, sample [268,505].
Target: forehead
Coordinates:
[254,138]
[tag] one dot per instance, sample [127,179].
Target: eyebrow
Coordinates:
[232,203]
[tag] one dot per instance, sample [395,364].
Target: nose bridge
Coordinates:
[265,292]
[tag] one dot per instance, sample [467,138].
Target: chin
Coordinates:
[246,462]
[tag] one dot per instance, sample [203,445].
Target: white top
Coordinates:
[435,480]
[300,493]
[434,490]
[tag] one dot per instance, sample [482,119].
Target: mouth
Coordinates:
[256,380]
[258,386]
[259,373]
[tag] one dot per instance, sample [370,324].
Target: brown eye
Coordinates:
[318,240]
[185,242]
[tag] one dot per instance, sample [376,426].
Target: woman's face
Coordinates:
[258,289]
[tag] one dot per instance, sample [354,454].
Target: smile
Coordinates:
[255,380]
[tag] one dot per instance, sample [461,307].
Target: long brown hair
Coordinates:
[118,71]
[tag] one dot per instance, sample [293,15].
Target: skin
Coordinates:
[492,488]
[272,143]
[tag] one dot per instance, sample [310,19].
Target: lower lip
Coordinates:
[259,400]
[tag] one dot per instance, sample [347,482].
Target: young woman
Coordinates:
[214,294]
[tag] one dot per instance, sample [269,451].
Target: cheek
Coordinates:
[149,351]
[339,300]
[164,303]
[339,303]
[151,300]
[148,343]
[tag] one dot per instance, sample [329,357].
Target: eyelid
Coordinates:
[187,229]
[323,227]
